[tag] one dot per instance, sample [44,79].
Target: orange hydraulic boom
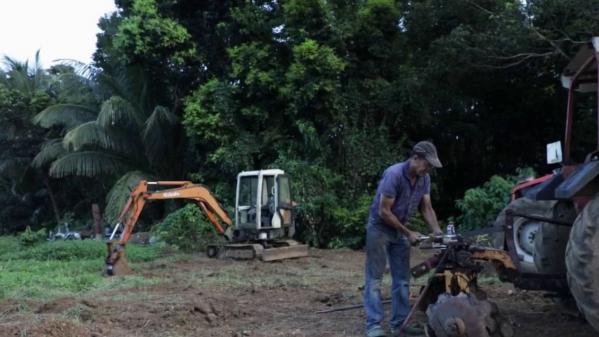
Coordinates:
[116,263]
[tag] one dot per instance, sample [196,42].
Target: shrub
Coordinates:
[418,224]
[29,238]
[77,250]
[351,223]
[60,250]
[315,188]
[187,229]
[480,205]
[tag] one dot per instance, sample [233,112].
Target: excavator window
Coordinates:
[284,191]
[248,191]
[248,200]
[268,200]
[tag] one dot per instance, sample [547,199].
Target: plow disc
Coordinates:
[464,315]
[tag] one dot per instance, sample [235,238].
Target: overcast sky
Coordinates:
[60,29]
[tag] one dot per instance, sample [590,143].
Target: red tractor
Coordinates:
[551,227]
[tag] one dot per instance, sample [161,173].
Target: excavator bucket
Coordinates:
[116,262]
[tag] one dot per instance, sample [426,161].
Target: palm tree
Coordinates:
[28,80]
[123,138]
[23,90]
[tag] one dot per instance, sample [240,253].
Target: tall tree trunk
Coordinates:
[52,199]
[97,216]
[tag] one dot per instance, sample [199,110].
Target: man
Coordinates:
[403,188]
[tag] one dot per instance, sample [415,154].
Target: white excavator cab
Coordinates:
[263,206]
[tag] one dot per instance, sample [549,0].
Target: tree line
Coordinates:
[330,91]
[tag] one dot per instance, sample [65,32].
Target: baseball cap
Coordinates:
[429,152]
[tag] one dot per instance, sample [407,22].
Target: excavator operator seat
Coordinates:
[267,201]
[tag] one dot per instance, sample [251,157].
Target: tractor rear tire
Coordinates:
[525,230]
[550,248]
[551,240]
[582,262]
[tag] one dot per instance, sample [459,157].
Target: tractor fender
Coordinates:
[582,182]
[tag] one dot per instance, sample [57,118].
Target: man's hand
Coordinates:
[413,237]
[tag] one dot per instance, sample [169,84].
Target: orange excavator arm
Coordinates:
[115,262]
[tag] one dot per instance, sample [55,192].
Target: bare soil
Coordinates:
[198,296]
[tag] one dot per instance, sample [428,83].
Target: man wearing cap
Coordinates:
[404,188]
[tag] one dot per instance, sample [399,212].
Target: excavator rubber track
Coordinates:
[274,251]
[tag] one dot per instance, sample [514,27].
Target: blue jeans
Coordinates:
[380,246]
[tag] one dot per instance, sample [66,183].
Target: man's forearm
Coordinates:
[430,217]
[391,220]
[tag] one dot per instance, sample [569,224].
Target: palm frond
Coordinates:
[19,76]
[118,194]
[69,115]
[130,83]
[14,167]
[50,151]
[91,75]
[82,69]
[37,72]
[117,112]
[158,134]
[87,164]
[73,80]
[91,133]
[25,78]
[114,83]
[11,63]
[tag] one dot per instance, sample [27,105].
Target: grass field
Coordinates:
[63,268]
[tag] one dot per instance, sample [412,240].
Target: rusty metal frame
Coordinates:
[570,106]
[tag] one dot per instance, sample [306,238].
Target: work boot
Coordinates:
[376,331]
[410,330]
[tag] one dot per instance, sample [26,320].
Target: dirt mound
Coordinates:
[197,296]
[56,306]
[59,328]
[45,328]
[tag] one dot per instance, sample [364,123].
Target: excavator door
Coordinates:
[263,207]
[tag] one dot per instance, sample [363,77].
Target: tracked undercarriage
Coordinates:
[267,251]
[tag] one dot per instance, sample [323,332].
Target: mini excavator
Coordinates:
[263,226]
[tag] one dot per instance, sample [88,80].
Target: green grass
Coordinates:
[8,244]
[65,268]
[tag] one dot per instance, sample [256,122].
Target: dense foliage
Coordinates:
[330,91]
[187,229]
[31,238]
[480,205]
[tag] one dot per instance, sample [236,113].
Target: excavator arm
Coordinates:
[116,262]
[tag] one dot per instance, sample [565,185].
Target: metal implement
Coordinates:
[454,304]
[422,295]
